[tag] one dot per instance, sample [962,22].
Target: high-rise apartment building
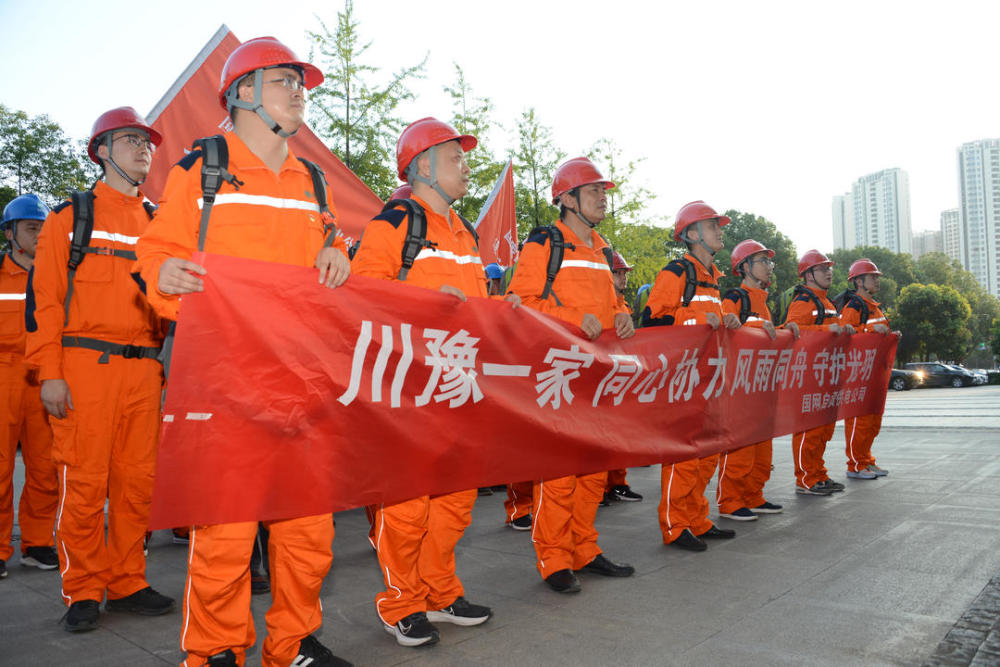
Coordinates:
[925,242]
[952,243]
[979,203]
[875,213]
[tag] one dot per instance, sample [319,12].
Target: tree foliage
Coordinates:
[36,156]
[535,163]
[934,322]
[356,115]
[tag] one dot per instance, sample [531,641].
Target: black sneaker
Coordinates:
[260,583]
[3,569]
[689,541]
[767,508]
[81,616]
[817,489]
[625,492]
[146,602]
[563,581]
[608,568]
[485,491]
[461,612]
[313,654]
[521,523]
[414,630]
[44,558]
[225,659]
[832,485]
[608,498]
[716,533]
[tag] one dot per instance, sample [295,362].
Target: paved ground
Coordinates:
[877,575]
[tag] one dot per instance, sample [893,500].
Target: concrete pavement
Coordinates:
[877,575]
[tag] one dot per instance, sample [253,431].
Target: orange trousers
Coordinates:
[807,453]
[859,434]
[616,478]
[518,501]
[683,504]
[562,528]
[415,541]
[23,419]
[742,475]
[217,612]
[105,449]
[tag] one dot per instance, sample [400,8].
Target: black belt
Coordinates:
[126,351]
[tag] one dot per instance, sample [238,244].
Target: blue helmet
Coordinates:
[494,271]
[25,207]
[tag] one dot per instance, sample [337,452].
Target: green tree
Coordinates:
[473,115]
[749,226]
[995,338]
[898,271]
[358,116]
[37,156]
[535,163]
[934,322]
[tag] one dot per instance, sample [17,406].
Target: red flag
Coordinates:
[190,109]
[497,224]
[318,400]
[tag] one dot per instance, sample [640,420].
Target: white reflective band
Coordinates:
[877,320]
[12,297]
[756,319]
[110,236]
[168,418]
[198,416]
[688,322]
[583,264]
[825,312]
[706,297]
[262,200]
[427,253]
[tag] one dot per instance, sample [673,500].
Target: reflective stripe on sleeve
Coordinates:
[110,236]
[261,200]
[427,253]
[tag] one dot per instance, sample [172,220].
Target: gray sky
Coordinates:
[769,107]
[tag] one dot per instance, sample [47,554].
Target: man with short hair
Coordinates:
[269,209]
[683,510]
[22,415]
[812,310]
[581,293]
[865,314]
[415,539]
[95,342]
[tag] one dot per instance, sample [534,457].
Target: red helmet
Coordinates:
[118,119]
[574,173]
[745,249]
[618,262]
[862,267]
[421,135]
[402,192]
[694,212]
[813,258]
[261,53]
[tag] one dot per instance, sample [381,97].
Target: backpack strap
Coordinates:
[557,250]
[83,227]
[817,304]
[319,189]
[214,170]
[470,227]
[744,297]
[416,233]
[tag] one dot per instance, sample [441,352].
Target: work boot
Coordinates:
[563,581]
[81,616]
[146,602]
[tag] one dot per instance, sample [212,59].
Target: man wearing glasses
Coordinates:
[267,209]
[812,310]
[94,340]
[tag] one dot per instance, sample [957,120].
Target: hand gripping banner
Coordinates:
[289,399]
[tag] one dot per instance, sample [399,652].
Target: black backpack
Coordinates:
[691,284]
[849,296]
[557,250]
[416,232]
[801,290]
[744,299]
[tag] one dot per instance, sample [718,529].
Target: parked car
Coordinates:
[903,379]
[937,374]
[979,375]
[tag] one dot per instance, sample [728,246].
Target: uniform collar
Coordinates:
[11,267]
[107,193]
[597,241]
[241,157]
[711,270]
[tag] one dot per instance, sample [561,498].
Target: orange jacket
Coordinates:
[13,281]
[271,217]
[666,295]
[851,314]
[452,260]
[759,312]
[802,310]
[583,284]
[107,303]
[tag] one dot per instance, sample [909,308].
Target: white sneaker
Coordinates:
[879,472]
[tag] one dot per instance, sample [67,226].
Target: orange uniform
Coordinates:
[518,502]
[22,418]
[808,446]
[744,472]
[272,217]
[682,502]
[415,539]
[860,432]
[105,447]
[564,508]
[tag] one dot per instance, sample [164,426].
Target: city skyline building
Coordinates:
[952,243]
[876,212]
[979,206]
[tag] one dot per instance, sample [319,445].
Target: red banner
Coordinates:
[190,109]
[288,399]
[497,224]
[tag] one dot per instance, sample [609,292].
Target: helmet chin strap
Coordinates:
[114,165]
[414,175]
[748,273]
[701,240]
[578,212]
[257,105]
